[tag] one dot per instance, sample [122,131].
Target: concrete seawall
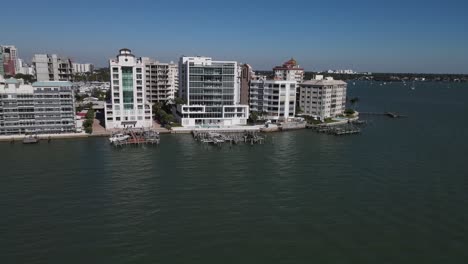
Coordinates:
[46,136]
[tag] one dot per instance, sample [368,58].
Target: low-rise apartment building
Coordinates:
[40,108]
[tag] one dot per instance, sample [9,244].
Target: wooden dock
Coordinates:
[138,138]
[347,129]
[216,138]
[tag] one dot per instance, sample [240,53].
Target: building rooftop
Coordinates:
[289,65]
[12,81]
[322,82]
[53,84]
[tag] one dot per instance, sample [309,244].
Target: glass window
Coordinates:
[127,87]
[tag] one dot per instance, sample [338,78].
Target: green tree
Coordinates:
[298,110]
[179,101]
[26,77]
[253,117]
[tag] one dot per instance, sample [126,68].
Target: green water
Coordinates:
[398,193]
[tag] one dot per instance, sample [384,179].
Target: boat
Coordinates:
[118,138]
[413,87]
[30,140]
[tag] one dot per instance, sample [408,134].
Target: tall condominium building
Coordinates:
[289,71]
[49,67]
[161,82]
[275,99]
[322,98]
[211,90]
[43,107]
[82,67]
[10,57]
[129,106]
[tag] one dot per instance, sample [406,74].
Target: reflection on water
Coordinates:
[396,193]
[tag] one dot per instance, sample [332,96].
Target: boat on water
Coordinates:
[30,140]
[118,138]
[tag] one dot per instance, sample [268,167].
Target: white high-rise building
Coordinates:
[82,67]
[211,90]
[49,67]
[161,82]
[25,68]
[275,99]
[322,98]
[129,106]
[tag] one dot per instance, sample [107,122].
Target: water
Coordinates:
[395,194]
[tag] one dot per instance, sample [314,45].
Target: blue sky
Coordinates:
[365,35]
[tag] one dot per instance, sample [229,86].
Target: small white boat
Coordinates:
[31,140]
[118,138]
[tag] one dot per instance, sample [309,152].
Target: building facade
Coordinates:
[289,71]
[322,98]
[211,90]
[2,70]
[273,99]
[129,106]
[49,67]
[161,80]
[10,60]
[25,68]
[40,108]
[82,67]
[247,74]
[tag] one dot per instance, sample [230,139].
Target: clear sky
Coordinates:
[364,35]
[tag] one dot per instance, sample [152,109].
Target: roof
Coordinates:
[52,84]
[322,82]
[289,65]
[11,81]
[291,62]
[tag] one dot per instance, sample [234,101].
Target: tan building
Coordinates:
[322,98]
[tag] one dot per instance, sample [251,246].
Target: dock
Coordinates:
[218,138]
[341,130]
[136,137]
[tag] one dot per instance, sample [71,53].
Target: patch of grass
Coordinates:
[330,120]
